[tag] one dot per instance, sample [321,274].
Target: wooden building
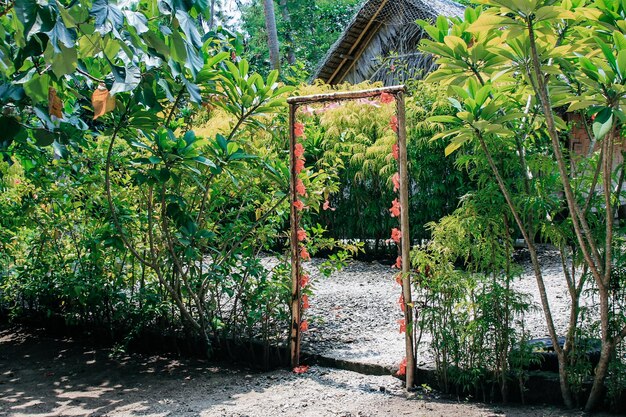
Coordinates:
[380,43]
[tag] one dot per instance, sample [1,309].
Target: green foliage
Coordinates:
[353,142]
[314,25]
[133,220]
[471,314]
[521,75]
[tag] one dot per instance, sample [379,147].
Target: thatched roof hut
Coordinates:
[380,43]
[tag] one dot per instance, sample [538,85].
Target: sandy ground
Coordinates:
[46,376]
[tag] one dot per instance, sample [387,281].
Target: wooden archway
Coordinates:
[296,270]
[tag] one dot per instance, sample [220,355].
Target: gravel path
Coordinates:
[354,313]
[42,376]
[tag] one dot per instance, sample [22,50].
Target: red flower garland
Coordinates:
[402,325]
[396,182]
[298,130]
[393,123]
[395,208]
[396,235]
[300,369]
[300,188]
[395,151]
[386,98]
[402,368]
[298,154]
[304,326]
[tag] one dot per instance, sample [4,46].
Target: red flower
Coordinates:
[399,276]
[300,369]
[299,165]
[304,326]
[386,98]
[395,208]
[398,263]
[304,280]
[396,182]
[402,368]
[305,301]
[393,123]
[326,206]
[299,205]
[301,235]
[396,235]
[298,129]
[395,151]
[402,324]
[300,188]
[298,150]
[304,254]
[401,302]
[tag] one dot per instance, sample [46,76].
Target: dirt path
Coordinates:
[45,376]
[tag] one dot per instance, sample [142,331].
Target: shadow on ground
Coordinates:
[54,376]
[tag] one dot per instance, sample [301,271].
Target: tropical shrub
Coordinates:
[471,315]
[116,213]
[514,70]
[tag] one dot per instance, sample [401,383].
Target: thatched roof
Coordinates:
[386,22]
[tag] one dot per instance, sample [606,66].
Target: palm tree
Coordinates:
[272,34]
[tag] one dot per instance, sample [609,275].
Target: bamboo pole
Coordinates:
[294,340]
[405,241]
[345,95]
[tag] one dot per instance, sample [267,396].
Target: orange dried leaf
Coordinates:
[55,105]
[101,101]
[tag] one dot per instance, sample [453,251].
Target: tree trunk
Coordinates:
[284,11]
[272,34]
[212,17]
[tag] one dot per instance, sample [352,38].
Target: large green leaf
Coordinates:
[127,80]
[26,12]
[602,123]
[189,28]
[108,16]
[65,62]
[193,90]
[60,35]
[9,127]
[37,87]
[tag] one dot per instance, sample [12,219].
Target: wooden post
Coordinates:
[405,241]
[294,339]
